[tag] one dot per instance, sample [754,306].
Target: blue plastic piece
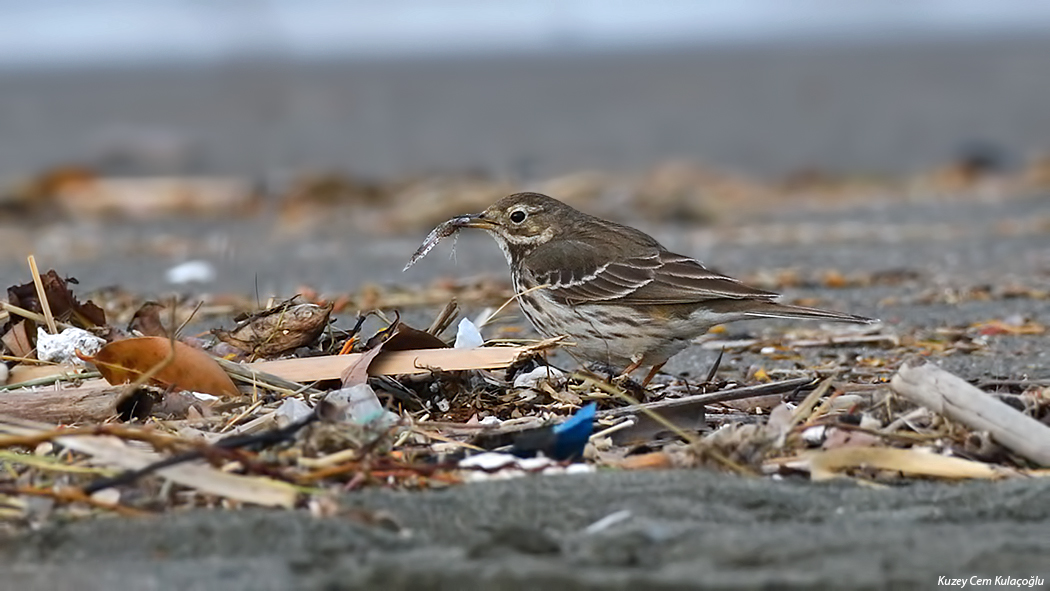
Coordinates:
[571,436]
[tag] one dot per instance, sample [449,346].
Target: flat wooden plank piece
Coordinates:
[330,367]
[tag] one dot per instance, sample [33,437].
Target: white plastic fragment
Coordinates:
[468,336]
[494,461]
[191,272]
[532,379]
[491,421]
[608,521]
[869,422]
[203,396]
[360,405]
[814,435]
[290,411]
[62,347]
[501,466]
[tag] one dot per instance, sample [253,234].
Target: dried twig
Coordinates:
[42,296]
[711,398]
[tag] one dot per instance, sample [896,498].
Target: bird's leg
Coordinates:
[626,373]
[652,373]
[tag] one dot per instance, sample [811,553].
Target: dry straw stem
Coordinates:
[71,495]
[492,316]
[951,396]
[42,296]
[696,444]
[711,398]
[51,463]
[29,314]
[253,375]
[115,452]
[805,409]
[608,388]
[57,373]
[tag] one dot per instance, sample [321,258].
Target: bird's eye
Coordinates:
[517,217]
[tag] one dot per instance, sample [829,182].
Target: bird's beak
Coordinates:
[476,220]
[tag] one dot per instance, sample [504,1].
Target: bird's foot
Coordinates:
[628,385]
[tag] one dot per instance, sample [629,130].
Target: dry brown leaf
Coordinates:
[278,330]
[147,322]
[17,340]
[357,372]
[64,305]
[191,369]
[406,338]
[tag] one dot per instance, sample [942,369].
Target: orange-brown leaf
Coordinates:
[191,369]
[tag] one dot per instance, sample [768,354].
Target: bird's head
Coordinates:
[523,221]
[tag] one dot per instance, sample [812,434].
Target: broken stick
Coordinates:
[951,396]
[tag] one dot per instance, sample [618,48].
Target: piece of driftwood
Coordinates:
[330,367]
[951,396]
[93,402]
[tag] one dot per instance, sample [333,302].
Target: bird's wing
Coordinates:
[578,273]
[679,279]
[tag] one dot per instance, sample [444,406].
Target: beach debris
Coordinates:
[62,348]
[502,466]
[163,362]
[146,321]
[63,304]
[950,396]
[468,336]
[829,464]
[541,374]
[290,411]
[277,330]
[403,409]
[417,361]
[190,272]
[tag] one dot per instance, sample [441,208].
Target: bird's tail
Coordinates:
[776,310]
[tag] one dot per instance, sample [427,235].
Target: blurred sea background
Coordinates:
[519,88]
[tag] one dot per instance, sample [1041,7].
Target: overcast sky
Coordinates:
[85,32]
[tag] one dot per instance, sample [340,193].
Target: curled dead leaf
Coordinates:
[278,330]
[190,369]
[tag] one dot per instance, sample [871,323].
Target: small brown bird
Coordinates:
[621,296]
